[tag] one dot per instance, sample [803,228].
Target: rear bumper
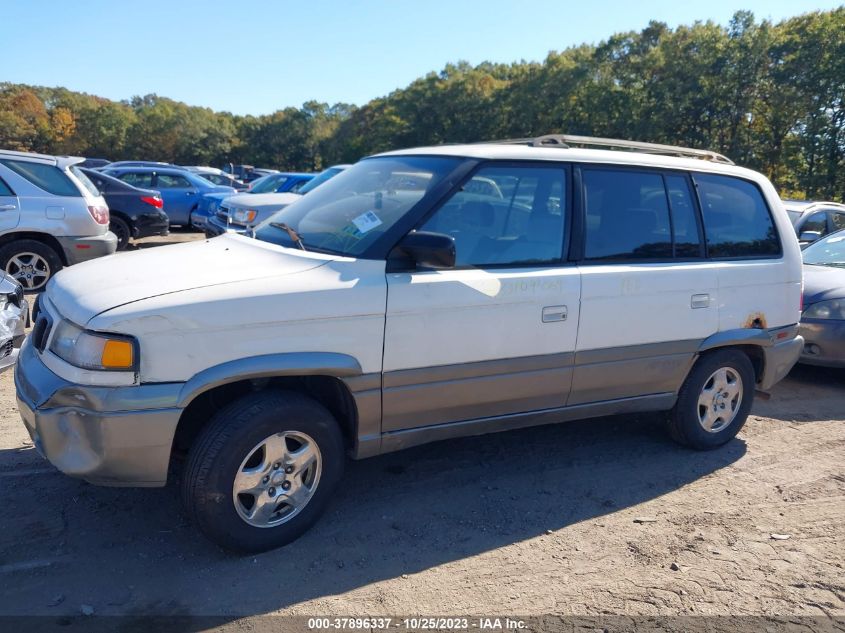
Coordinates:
[80,249]
[779,359]
[106,436]
[824,342]
[151,225]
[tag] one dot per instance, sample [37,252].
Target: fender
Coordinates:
[267,366]
[738,336]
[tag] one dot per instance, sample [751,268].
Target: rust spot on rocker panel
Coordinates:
[755,321]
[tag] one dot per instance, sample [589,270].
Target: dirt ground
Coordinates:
[598,517]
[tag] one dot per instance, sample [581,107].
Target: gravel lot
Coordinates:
[598,517]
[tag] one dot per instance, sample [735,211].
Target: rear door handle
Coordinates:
[7,207]
[699,301]
[551,314]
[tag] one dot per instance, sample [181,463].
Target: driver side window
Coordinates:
[506,216]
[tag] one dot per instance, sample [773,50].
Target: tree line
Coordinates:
[768,95]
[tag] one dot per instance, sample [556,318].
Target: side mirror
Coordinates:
[809,236]
[421,249]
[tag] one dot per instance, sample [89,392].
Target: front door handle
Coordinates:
[7,207]
[552,314]
[699,301]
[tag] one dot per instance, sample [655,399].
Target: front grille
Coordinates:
[223,214]
[7,348]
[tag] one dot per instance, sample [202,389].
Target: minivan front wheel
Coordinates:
[714,401]
[263,470]
[30,262]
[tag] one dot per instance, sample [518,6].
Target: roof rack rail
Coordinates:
[565,141]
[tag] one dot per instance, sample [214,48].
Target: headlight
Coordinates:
[833,309]
[244,216]
[92,350]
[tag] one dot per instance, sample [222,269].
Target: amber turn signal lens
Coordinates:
[118,355]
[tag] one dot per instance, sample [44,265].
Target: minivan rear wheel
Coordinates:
[30,262]
[714,401]
[263,470]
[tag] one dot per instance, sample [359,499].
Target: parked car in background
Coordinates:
[138,163]
[823,319]
[133,212]
[248,173]
[14,318]
[280,183]
[218,177]
[274,183]
[94,163]
[243,212]
[51,216]
[376,314]
[815,219]
[180,189]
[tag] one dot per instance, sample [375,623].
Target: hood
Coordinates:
[262,201]
[220,189]
[85,290]
[822,283]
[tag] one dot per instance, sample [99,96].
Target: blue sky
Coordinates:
[256,57]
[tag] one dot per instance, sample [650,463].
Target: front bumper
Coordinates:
[13,320]
[214,227]
[81,249]
[112,436]
[824,342]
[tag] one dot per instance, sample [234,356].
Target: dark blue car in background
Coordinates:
[181,190]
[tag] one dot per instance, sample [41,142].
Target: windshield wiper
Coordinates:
[292,234]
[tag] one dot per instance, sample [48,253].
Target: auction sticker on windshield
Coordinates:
[366,222]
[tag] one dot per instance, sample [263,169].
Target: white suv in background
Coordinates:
[51,216]
[419,295]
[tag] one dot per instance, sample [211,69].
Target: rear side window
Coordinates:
[837,219]
[143,179]
[80,175]
[627,215]
[47,177]
[4,189]
[169,181]
[737,221]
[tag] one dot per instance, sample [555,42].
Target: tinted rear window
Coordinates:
[47,177]
[737,221]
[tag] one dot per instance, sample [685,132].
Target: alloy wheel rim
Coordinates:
[31,270]
[720,399]
[277,479]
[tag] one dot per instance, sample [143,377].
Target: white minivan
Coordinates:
[420,295]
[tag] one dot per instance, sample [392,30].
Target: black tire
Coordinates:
[23,249]
[217,454]
[120,228]
[684,424]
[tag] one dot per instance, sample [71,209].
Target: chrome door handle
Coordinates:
[7,207]
[700,301]
[552,314]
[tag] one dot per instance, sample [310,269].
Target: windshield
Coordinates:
[267,184]
[320,178]
[355,208]
[828,251]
